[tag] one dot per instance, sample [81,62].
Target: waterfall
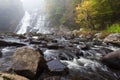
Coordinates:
[34,21]
[24,24]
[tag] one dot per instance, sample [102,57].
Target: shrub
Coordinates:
[115,28]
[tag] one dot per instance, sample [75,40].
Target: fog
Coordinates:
[32,4]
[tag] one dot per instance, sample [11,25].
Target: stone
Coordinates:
[35,42]
[112,59]
[7,43]
[28,62]
[53,46]
[56,78]
[113,38]
[0,54]
[7,76]
[56,67]
[22,36]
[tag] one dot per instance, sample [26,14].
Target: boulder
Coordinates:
[112,59]
[57,68]
[6,76]
[113,38]
[28,62]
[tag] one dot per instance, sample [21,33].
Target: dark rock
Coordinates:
[0,54]
[6,43]
[28,63]
[1,37]
[53,78]
[54,41]
[35,42]
[56,78]
[7,76]
[57,68]
[74,42]
[113,38]
[112,59]
[21,37]
[53,46]
[85,47]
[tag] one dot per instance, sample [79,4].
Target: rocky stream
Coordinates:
[57,57]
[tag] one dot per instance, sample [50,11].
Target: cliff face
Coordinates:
[11,12]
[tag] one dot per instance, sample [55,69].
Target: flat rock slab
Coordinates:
[55,66]
[7,43]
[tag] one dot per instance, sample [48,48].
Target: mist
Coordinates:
[32,4]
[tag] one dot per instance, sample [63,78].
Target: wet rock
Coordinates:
[113,38]
[74,42]
[6,43]
[112,59]
[85,47]
[56,78]
[28,63]
[58,54]
[35,42]
[6,76]
[0,54]
[1,37]
[21,37]
[56,67]
[53,46]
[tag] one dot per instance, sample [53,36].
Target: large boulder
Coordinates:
[11,13]
[6,76]
[28,62]
[112,59]
[113,38]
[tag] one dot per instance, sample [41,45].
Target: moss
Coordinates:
[115,28]
[104,34]
[6,78]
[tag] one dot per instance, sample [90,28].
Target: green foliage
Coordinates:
[115,28]
[97,14]
[92,14]
[55,10]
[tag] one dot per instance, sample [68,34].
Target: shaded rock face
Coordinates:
[112,59]
[27,62]
[56,67]
[0,54]
[11,13]
[113,38]
[6,76]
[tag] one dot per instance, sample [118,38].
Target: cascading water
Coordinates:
[34,21]
[24,24]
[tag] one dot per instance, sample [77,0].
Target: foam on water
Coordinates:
[25,23]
